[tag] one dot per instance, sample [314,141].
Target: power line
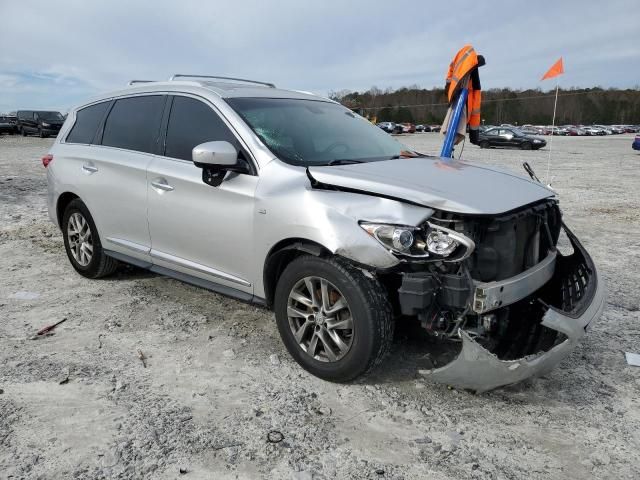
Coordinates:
[445,104]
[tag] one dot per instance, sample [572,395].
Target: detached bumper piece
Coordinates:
[571,300]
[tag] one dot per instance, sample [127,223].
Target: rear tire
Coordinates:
[364,325]
[484,144]
[23,132]
[82,242]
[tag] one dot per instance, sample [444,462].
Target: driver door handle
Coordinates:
[161,184]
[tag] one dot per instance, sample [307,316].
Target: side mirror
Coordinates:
[216,159]
[215,155]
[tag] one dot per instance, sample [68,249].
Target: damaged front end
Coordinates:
[515,306]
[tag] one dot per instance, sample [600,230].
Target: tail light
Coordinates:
[47,159]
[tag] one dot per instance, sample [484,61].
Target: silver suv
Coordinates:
[289,200]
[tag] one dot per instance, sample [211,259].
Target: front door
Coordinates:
[198,229]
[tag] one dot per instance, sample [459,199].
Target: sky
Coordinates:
[56,54]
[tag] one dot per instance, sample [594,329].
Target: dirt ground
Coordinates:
[80,404]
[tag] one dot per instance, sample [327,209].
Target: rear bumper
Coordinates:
[477,369]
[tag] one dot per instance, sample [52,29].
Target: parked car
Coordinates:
[510,138]
[607,130]
[636,143]
[6,126]
[13,120]
[420,128]
[561,131]
[617,129]
[594,131]
[543,130]
[41,122]
[388,127]
[289,200]
[575,131]
[435,128]
[408,128]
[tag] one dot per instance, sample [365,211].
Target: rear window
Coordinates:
[87,122]
[133,123]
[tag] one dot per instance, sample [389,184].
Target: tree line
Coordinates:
[576,106]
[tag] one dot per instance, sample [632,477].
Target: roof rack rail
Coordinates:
[180,75]
[131,82]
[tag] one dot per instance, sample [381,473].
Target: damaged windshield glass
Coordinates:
[311,132]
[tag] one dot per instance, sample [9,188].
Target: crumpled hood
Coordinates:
[439,183]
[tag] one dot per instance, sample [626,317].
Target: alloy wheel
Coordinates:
[80,241]
[320,319]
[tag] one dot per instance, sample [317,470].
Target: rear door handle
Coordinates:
[89,168]
[161,184]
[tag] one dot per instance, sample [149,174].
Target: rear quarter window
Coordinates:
[134,123]
[87,122]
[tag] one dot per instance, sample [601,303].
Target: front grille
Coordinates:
[508,244]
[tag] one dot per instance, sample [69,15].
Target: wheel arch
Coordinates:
[283,253]
[63,200]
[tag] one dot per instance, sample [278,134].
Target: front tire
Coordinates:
[484,144]
[82,242]
[525,146]
[334,320]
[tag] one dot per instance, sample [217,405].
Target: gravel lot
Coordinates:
[218,378]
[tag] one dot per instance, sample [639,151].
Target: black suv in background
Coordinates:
[42,122]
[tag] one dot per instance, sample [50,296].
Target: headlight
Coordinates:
[433,242]
[397,238]
[441,243]
[45,124]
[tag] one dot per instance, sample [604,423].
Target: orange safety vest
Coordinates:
[463,63]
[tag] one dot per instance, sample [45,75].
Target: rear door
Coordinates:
[115,172]
[198,229]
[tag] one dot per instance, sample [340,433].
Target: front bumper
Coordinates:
[477,369]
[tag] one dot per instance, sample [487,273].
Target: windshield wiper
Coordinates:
[343,161]
[413,155]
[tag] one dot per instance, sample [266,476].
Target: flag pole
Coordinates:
[553,124]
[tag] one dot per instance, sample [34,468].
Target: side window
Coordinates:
[191,123]
[133,123]
[87,121]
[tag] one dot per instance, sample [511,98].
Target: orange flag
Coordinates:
[554,71]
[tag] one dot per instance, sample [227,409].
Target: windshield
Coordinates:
[310,132]
[50,115]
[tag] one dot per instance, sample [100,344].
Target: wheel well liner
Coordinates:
[281,255]
[63,200]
